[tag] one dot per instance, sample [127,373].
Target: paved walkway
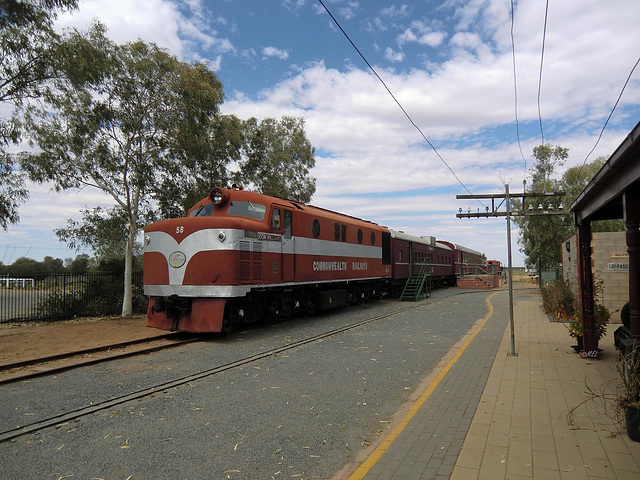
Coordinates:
[490,415]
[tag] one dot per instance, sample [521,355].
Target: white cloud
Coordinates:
[467,40]
[157,21]
[349,11]
[392,55]
[395,12]
[420,32]
[268,52]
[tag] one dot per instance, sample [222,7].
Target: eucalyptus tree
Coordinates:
[542,235]
[28,45]
[277,158]
[574,181]
[202,166]
[124,132]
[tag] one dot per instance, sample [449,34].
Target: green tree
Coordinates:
[13,190]
[541,236]
[28,45]
[205,167]
[78,265]
[52,265]
[104,230]
[123,131]
[24,267]
[575,180]
[277,158]
[27,61]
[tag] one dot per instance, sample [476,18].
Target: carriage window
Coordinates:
[275,220]
[399,255]
[247,209]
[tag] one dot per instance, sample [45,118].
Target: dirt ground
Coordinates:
[27,341]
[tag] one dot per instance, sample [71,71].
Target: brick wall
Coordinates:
[609,254]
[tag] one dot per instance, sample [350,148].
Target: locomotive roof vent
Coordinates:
[219,196]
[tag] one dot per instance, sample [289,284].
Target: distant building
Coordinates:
[609,262]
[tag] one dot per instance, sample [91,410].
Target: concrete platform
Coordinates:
[545,413]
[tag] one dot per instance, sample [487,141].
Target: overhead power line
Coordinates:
[612,110]
[393,96]
[515,89]
[544,37]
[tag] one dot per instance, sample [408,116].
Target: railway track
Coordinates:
[48,365]
[71,415]
[68,416]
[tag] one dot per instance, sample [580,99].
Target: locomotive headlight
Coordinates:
[218,196]
[147,239]
[222,236]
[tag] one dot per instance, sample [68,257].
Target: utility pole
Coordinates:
[495,212]
[511,323]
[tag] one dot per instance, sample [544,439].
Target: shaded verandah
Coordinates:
[613,193]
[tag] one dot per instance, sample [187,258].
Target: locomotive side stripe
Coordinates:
[227,291]
[208,240]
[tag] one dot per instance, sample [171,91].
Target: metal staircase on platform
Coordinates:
[417,284]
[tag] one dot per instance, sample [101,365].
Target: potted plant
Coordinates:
[575,330]
[629,371]
[601,316]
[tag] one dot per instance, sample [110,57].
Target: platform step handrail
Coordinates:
[416,283]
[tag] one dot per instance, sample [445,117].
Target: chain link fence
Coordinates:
[62,296]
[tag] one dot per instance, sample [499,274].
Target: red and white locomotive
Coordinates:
[241,256]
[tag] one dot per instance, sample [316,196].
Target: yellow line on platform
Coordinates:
[364,468]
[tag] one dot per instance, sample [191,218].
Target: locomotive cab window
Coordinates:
[344,233]
[336,228]
[275,220]
[360,235]
[204,210]
[315,228]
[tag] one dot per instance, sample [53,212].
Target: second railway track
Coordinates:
[48,365]
[98,406]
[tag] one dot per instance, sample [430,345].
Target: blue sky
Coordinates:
[449,63]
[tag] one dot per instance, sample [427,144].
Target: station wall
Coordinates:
[610,263]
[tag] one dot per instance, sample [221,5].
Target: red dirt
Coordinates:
[24,342]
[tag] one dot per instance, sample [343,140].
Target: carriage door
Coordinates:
[288,248]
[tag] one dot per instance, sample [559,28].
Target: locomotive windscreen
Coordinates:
[247,209]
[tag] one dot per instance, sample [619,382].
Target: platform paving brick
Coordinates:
[430,444]
[497,416]
[533,394]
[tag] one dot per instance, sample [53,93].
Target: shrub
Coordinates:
[558,301]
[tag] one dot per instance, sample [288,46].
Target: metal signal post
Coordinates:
[506,199]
